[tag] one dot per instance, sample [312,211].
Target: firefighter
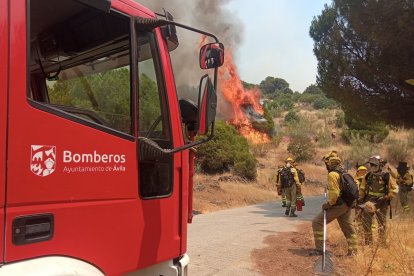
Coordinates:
[360,174]
[375,193]
[335,208]
[405,183]
[288,182]
[301,176]
[279,189]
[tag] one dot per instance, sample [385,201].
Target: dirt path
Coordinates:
[228,242]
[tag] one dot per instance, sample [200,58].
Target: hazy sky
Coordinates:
[276,40]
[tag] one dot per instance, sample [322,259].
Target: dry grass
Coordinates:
[212,194]
[396,259]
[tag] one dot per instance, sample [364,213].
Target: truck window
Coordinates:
[80,63]
[155,179]
[153,113]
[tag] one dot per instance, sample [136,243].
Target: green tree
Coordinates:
[313,89]
[227,150]
[247,85]
[365,55]
[275,86]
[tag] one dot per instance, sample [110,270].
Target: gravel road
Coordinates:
[220,243]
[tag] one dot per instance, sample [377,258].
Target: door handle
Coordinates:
[33,228]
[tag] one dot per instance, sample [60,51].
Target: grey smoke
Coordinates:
[209,15]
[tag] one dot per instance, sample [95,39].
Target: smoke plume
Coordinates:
[212,16]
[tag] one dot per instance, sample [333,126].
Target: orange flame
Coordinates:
[232,89]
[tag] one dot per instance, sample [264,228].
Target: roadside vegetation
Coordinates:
[307,133]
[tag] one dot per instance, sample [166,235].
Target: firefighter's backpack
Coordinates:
[301,175]
[286,177]
[349,189]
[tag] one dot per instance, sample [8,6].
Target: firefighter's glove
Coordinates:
[326,206]
[279,191]
[298,189]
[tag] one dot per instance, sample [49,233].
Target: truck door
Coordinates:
[4,70]
[76,183]
[159,178]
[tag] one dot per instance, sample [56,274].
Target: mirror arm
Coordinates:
[193,29]
[149,149]
[153,23]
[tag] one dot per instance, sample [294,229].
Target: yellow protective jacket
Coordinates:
[333,189]
[375,186]
[358,181]
[407,179]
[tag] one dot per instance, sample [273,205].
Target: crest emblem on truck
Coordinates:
[43,160]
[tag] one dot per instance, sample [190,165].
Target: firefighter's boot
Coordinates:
[292,213]
[303,201]
[287,211]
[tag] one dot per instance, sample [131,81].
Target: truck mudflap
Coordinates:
[167,268]
[50,266]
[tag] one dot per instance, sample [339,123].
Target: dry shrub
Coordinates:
[260,150]
[396,259]
[301,147]
[277,138]
[324,138]
[410,139]
[361,149]
[397,150]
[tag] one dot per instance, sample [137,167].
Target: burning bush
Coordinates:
[226,151]
[265,127]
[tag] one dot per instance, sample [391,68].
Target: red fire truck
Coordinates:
[95,146]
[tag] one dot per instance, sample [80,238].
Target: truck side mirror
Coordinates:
[207,104]
[211,55]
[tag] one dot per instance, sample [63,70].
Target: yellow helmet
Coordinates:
[334,161]
[362,168]
[332,153]
[290,159]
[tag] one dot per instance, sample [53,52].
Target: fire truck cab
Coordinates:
[95,159]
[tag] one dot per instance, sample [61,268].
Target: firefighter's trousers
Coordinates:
[403,194]
[290,193]
[283,197]
[343,214]
[367,219]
